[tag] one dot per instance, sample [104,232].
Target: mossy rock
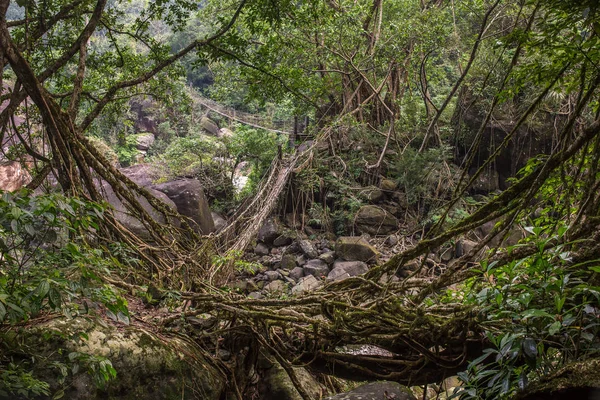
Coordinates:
[148,366]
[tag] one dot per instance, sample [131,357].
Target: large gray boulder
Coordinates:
[128,219]
[209,126]
[143,141]
[346,269]
[219,221]
[316,267]
[142,174]
[188,196]
[376,391]
[277,385]
[355,248]
[375,221]
[269,231]
[147,366]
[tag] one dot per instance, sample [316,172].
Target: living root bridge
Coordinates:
[415,344]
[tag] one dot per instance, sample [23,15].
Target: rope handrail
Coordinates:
[223,112]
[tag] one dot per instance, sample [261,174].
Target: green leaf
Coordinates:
[42,289]
[2,312]
[54,298]
[554,328]
[530,348]
[535,313]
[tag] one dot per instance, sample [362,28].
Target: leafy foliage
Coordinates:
[542,313]
[48,265]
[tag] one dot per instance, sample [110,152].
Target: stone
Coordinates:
[328,257]
[376,391]
[188,196]
[241,286]
[346,269]
[272,275]
[225,133]
[288,262]
[388,185]
[446,254]
[255,295]
[143,141]
[306,284]
[277,385]
[209,126]
[218,221]
[269,231]
[318,268]
[142,174]
[391,240]
[275,287]
[308,248]
[282,240]
[355,248]
[148,366]
[391,208]
[296,273]
[375,221]
[261,249]
[130,221]
[13,176]
[372,195]
[300,260]
[464,246]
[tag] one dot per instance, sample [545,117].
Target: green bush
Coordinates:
[48,265]
[541,314]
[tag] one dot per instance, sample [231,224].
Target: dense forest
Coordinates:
[313,199]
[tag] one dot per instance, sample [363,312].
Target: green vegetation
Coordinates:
[474,112]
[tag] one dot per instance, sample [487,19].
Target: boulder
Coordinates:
[272,275]
[376,391]
[125,217]
[275,287]
[219,221]
[328,257]
[209,126]
[188,196]
[464,246]
[142,174]
[306,284]
[261,249]
[143,141]
[346,269]
[269,231]
[288,262]
[277,385]
[355,248]
[316,267]
[13,176]
[282,240]
[225,133]
[388,185]
[372,194]
[147,366]
[375,221]
[308,248]
[296,273]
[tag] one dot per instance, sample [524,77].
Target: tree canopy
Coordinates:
[415,78]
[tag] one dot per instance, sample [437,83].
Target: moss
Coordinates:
[148,366]
[583,374]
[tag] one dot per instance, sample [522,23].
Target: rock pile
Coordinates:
[293,265]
